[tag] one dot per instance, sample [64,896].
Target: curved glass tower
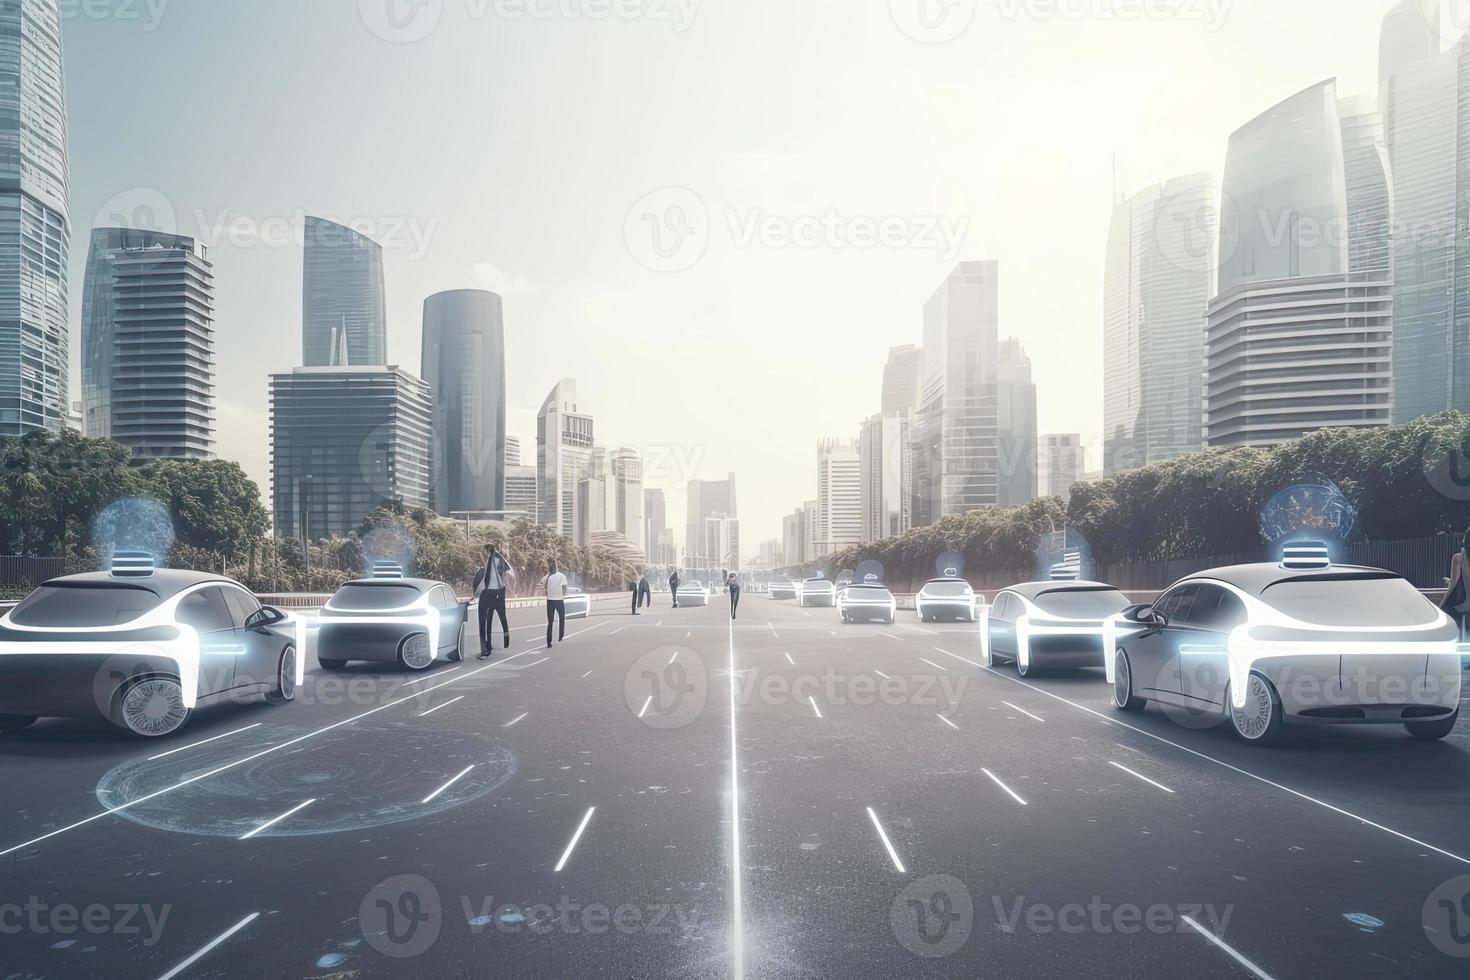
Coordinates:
[34,229]
[464,364]
[343,316]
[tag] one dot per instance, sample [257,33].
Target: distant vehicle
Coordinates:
[579,604]
[783,589]
[867,603]
[413,622]
[1050,624]
[817,592]
[1304,642]
[946,598]
[143,647]
[693,594]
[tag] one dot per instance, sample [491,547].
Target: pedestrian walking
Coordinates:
[492,582]
[556,604]
[1456,600]
[674,587]
[733,584]
[645,591]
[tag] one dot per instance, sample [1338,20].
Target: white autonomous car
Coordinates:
[817,592]
[868,602]
[578,604]
[142,647]
[1050,624]
[949,597]
[691,594]
[1300,643]
[782,588]
[391,619]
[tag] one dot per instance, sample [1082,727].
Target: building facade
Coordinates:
[520,491]
[1063,461]
[344,316]
[512,451]
[706,498]
[839,496]
[1016,425]
[793,537]
[886,484]
[625,469]
[903,380]
[464,364]
[656,526]
[564,442]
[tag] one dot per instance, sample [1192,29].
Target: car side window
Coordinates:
[446,598]
[1206,607]
[242,604]
[1231,613]
[206,611]
[1003,607]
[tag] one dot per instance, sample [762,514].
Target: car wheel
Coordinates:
[415,653]
[1123,697]
[10,724]
[151,708]
[1259,722]
[1024,669]
[331,664]
[285,678]
[1429,731]
[457,654]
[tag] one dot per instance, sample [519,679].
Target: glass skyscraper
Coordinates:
[564,444]
[343,317]
[34,228]
[464,364]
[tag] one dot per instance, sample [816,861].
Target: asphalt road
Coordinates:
[893,809]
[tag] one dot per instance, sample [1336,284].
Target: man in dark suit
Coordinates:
[493,582]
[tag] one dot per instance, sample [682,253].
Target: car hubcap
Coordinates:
[1122,683]
[154,707]
[1252,720]
[288,674]
[416,651]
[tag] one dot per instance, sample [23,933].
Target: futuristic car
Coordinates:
[867,602]
[143,647]
[782,589]
[693,594]
[1050,624]
[578,603]
[946,598]
[817,592]
[1303,642]
[412,622]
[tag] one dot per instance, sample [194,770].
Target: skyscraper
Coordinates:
[1369,185]
[520,491]
[705,499]
[839,496]
[1016,424]
[883,448]
[464,364]
[625,468]
[902,379]
[512,451]
[148,343]
[343,314]
[35,232]
[564,443]
[794,537]
[656,526]
[1160,260]
[1409,34]
[1064,463]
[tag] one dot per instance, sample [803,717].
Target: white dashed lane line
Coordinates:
[790,661]
[960,659]
[935,666]
[646,705]
[438,792]
[439,706]
[1221,944]
[996,780]
[517,720]
[887,844]
[572,844]
[816,710]
[275,820]
[210,946]
[948,722]
[1139,775]
[1023,711]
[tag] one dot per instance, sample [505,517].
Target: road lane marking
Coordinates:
[882,675]
[617,631]
[813,703]
[772,628]
[1139,775]
[572,844]
[1023,711]
[534,663]
[516,721]
[948,722]
[444,705]
[790,661]
[883,836]
[960,659]
[996,780]
[935,666]
[204,741]
[833,632]
[585,676]
[737,901]
[210,946]
[673,658]
[1262,974]
[646,705]
[434,676]
[435,795]
[275,820]
[1225,765]
[688,635]
[891,636]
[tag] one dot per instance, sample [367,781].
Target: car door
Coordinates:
[1002,626]
[219,648]
[451,617]
[1152,653]
[261,649]
[1203,644]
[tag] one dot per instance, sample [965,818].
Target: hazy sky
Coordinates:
[832,159]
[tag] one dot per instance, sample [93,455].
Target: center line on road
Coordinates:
[883,836]
[1139,775]
[517,721]
[813,702]
[1262,974]
[646,705]
[585,676]
[948,722]
[883,675]
[996,780]
[210,946]
[772,628]
[688,635]
[444,705]
[960,659]
[534,663]
[935,666]
[674,657]
[434,676]
[275,820]
[205,741]
[434,795]
[572,845]
[833,632]
[1023,711]
[790,661]
[737,869]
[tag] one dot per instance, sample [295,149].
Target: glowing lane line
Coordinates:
[882,675]
[516,721]
[772,628]
[790,661]
[1015,707]
[1262,974]
[425,680]
[203,741]
[737,901]
[275,820]
[948,722]
[1235,769]
[438,792]
[883,836]
[534,663]
[892,637]
[813,703]
[960,659]
[935,666]
[572,844]
[674,657]
[1139,775]
[444,705]
[585,676]
[646,705]
[210,946]
[996,780]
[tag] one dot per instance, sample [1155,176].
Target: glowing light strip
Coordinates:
[517,720]
[572,844]
[960,659]
[1139,775]
[275,820]
[883,836]
[205,741]
[440,791]
[1220,943]
[948,722]
[996,780]
[439,706]
[1023,711]
[210,946]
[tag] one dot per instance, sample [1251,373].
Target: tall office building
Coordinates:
[902,380]
[464,364]
[343,313]
[564,444]
[625,470]
[1016,424]
[1160,261]
[1409,34]
[656,526]
[148,343]
[839,496]
[1296,340]
[345,440]
[35,232]
[794,537]
[1369,185]
[810,530]
[883,448]
[520,492]
[956,450]
[706,498]
[1063,462]
[512,451]
[721,545]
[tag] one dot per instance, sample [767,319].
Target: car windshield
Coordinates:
[819,584]
[1329,601]
[947,589]
[374,597]
[1083,603]
[101,604]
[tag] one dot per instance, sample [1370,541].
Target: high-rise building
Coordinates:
[1410,34]
[35,231]
[1160,261]
[793,537]
[626,473]
[343,313]
[520,491]
[1016,424]
[1296,340]
[769,554]
[839,496]
[148,343]
[721,546]
[512,451]
[884,450]
[564,444]
[464,364]
[1369,185]
[1064,462]
[902,380]
[343,442]
[810,530]
[955,458]
[706,498]
[656,526]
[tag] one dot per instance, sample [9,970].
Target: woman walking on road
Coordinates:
[556,604]
[733,584]
[1456,600]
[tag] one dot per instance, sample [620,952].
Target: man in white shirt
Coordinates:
[556,604]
